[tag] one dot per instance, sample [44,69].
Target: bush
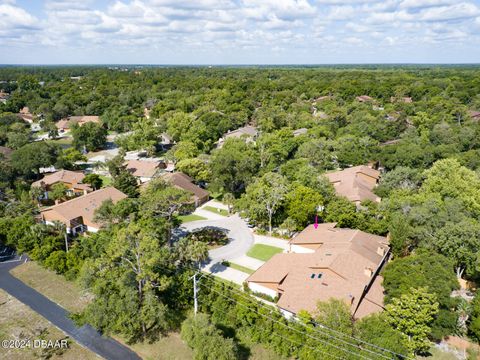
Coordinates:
[206,340]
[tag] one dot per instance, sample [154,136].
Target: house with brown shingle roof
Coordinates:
[355,183]
[322,264]
[78,214]
[185,182]
[66,124]
[71,179]
[145,170]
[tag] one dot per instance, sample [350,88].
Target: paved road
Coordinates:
[87,336]
[241,238]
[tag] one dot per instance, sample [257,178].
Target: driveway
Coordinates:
[240,236]
[85,335]
[209,215]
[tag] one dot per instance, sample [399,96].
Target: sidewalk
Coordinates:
[248,262]
[226,273]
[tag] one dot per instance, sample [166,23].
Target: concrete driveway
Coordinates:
[240,241]
[240,236]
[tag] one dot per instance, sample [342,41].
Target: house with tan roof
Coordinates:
[322,264]
[404,99]
[145,170]
[185,182]
[71,179]
[25,115]
[4,96]
[474,115]
[364,98]
[5,152]
[355,183]
[65,125]
[249,133]
[78,214]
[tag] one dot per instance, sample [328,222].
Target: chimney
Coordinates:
[368,271]
[380,251]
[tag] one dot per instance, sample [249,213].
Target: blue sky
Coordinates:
[239,31]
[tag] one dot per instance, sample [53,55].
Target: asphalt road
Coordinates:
[241,238]
[87,336]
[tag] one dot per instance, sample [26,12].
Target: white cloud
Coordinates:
[225,26]
[413,4]
[341,13]
[14,17]
[458,11]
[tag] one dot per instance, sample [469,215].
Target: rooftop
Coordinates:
[64,176]
[143,168]
[185,182]
[82,206]
[341,267]
[355,183]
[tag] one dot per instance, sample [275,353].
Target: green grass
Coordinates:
[63,141]
[238,267]
[106,180]
[263,252]
[216,210]
[190,217]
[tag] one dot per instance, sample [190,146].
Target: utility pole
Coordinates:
[66,242]
[195,294]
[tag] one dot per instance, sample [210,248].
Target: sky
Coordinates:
[212,32]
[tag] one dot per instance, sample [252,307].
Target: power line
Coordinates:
[246,296]
[278,322]
[280,336]
[324,327]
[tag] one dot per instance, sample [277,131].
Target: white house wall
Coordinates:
[255,287]
[301,250]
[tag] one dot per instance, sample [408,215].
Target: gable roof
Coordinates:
[185,182]
[364,98]
[246,130]
[352,185]
[337,269]
[64,176]
[80,120]
[143,168]
[82,206]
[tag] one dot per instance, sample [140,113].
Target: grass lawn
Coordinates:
[64,142]
[238,267]
[170,347]
[19,322]
[106,180]
[216,210]
[55,287]
[263,252]
[190,217]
